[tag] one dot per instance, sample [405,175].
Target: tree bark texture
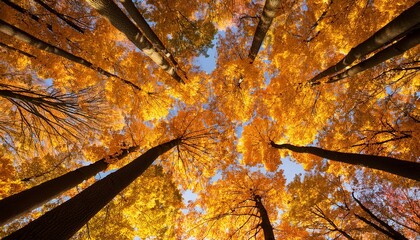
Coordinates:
[399,167]
[398,27]
[265,220]
[65,220]
[398,48]
[21,35]
[20,203]
[269,12]
[147,30]
[109,10]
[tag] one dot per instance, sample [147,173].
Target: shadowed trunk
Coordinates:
[388,164]
[394,29]
[21,35]
[268,14]
[265,220]
[20,203]
[65,220]
[119,20]
[409,41]
[149,33]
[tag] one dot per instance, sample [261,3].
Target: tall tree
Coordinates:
[243,203]
[149,33]
[388,164]
[118,19]
[398,27]
[269,12]
[22,202]
[409,41]
[66,219]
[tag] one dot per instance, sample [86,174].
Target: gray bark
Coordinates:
[409,41]
[268,14]
[398,27]
[109,10]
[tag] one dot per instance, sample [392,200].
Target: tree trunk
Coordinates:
[65,220]
[409,41]
[59,15]
[119,20]
[388,164]
[17,50]
[268,14]
[265,220]
[394,29]
[21,35]
[148,32]
[25,12]
[20,203]
[390,231]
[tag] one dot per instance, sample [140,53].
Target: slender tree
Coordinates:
[119,20]
[38,43]
[407,42]
[399,167]
[268,14]
[20,203]
[398,27]
[26,12]
[65,220]
[61,16]
[385,229]
[148,32]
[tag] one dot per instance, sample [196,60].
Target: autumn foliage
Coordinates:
[210,119]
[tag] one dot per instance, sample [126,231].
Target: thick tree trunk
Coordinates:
[388,164]
[268,14]
[119,20]
[20,203]
[21,35]
[265,220]
[394,29]
[148,31]
[65,220]
[59,15]
[409,41]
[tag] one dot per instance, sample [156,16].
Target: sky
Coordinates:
[208,64]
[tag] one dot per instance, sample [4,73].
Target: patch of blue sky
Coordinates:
[207,64]
[291,169]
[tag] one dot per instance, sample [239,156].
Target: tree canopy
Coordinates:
[208,119]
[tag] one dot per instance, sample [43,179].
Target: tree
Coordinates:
[69,217]
[242,203]
[398,48]
[118,19]
[392,165]
[269,11]
[149,33]
[398,27]
[22,202]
